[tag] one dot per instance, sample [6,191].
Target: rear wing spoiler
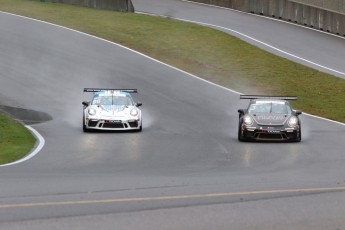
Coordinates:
[93,90]
[268,97]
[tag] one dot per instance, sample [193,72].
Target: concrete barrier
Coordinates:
[118,5]
[290,10]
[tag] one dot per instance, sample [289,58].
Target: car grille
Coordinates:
[113,125]
[271,136]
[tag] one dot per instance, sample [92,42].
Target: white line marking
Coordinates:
[35,151]
[255,40]
[325,119]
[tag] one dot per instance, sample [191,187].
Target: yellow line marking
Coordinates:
[210,195]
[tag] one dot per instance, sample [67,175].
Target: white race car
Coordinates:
[111,109]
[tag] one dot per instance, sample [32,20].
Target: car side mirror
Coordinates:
[139,104]
[85,103]
[241,111]
[297,112]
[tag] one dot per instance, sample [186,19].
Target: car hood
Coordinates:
[113,110]
[270,119]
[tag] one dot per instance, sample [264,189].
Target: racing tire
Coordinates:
[299,137]
[239,137]
[141,127]
[84,126]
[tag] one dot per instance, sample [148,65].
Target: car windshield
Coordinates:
[112,100]
[275,107]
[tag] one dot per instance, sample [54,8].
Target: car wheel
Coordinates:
[239,136]
[299,136]
[84,126]
[141,127]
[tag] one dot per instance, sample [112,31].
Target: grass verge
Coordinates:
[15,140]
[205,52]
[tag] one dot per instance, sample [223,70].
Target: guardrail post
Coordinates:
[272,8]
[304,14]
[252,6]
[281,8]
[342,25]
[328,21]
[313,17]
[244,5]
[299,13]
[321,17]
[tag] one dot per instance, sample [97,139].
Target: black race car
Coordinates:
[269,118]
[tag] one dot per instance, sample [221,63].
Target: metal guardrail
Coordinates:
[117,5]
[290,10]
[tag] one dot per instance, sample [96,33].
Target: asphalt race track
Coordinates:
[186,170]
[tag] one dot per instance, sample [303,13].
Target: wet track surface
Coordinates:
[186,169]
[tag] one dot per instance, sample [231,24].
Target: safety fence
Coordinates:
[335,5]
[118,5]
[290,10]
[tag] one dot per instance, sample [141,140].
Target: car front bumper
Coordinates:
[108,124]
[270,133]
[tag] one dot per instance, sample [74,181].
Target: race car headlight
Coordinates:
[134,112]
[92,111]
[248,120]
[292,122]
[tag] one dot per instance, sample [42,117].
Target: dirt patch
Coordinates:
[25,116]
